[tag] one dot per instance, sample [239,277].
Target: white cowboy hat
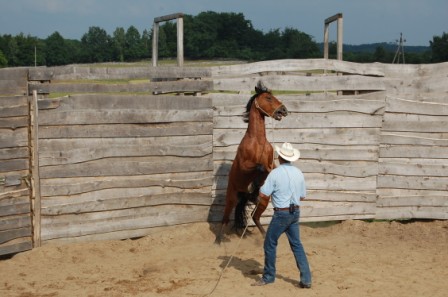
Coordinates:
[287,152]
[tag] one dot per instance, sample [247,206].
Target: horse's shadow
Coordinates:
[216,210]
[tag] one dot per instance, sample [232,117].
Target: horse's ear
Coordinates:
[261,88]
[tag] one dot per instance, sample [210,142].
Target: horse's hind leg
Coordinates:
[231,200]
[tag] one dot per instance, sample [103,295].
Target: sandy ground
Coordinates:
[353,258]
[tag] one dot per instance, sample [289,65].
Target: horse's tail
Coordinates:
[240,210]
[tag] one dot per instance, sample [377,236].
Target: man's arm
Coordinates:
[263,201]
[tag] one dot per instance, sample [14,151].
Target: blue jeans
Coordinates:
[285,222]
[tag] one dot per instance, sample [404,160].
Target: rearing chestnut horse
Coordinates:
[254,159]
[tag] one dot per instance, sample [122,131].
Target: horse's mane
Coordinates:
[249,105]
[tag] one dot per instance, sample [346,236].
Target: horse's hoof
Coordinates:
[218,240]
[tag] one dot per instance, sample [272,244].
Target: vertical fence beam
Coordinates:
[35,177]
[337,17]
[155,43]
[180,42]
[180,37]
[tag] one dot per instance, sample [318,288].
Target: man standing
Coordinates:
[286,185]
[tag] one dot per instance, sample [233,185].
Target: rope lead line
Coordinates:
[231,257]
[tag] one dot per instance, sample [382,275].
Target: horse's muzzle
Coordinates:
[280,112]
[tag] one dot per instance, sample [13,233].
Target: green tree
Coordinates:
[133,48]
[298,45]
[147,44]
[380,54]
[96,46]
[119,41]
[56,51]
[439,48]
[201,35]
[3,60]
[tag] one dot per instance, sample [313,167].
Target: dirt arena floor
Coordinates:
[352,258]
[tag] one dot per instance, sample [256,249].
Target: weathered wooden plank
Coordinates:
[398,105]
[319,209]
[415,123]
[179,72]
[121,101]
[124,193]
[327,182]
[400,70]
[16,193]
[310,120]
[8,235]
[77,185]
[129,202]
[127,219]
[318,195]
[148,87]
[15,138]
[130,116]
[17,246]
[14,73]
[126,130]
[341,196]
[128,166]
[13,123]
[329,136]
[413,182]
[330,182]
[418,84]
[15,207]
[14,106]
[296,65]
[15,222]
[414,138]
[14,153]
[433,201]
[369,107]
[413,151]
[13,165]
[393,192]
[134,72]
[413,167]
[228,99]
[69,151]
[411,212]
[302,83]
[343,168]
[316,152]
[10,87]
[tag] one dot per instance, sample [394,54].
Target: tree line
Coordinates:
[208,35]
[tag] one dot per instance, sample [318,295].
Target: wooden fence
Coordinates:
[123,151]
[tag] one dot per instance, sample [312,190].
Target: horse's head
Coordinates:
[266,103]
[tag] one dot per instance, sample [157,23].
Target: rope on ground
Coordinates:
[230,259]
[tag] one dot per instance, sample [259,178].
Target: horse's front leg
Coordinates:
[262,204]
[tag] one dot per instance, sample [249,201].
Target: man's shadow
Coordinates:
[250,268]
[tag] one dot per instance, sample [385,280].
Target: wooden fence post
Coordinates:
[35,180]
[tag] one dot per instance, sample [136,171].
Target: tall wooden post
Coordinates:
[337,17]
[35,180]
[180,37]
[155,43]
[180,42]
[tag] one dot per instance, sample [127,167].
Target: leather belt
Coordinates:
[285,208]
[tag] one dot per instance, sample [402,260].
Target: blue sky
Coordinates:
[365,21]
